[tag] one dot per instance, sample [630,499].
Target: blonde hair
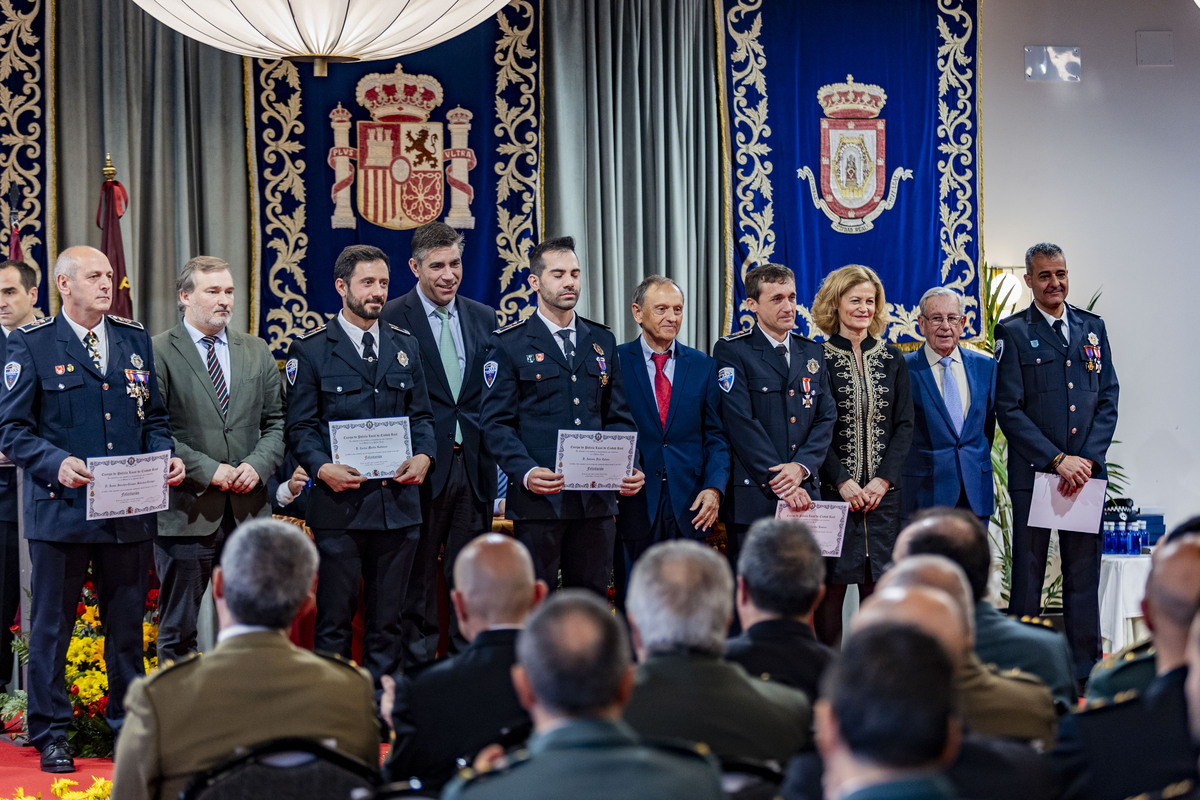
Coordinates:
[835,286]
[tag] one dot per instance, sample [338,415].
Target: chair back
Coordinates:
[284,769]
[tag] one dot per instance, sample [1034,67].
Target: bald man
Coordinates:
[1012,705]
[1140,742]
[1028,644]
[451,708]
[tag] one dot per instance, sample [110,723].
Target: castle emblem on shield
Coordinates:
[404,164]
[853,157]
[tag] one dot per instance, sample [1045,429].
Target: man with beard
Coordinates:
[555,371]
[366,528]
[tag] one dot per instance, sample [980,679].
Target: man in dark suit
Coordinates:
[776,405]
[451,708]
[222,392]
[366,529]
[18,296]
[672,393]
[453,333]
[680,605]
[954,392]
[555,371]
[254,686]
[1056,401]
[780,580]
[81,385]
[1003,641]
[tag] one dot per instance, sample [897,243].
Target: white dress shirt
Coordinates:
[101,332]
[356,333]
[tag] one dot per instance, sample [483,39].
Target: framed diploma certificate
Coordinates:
[595,461]
[123,486]
[374,447]
[826,519]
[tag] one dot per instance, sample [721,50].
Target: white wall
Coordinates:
[1109,169]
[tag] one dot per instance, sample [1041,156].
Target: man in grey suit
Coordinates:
[223,393]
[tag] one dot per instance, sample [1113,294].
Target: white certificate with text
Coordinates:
[826,520]
[593,461]
[1081,512]
[123,486]
[375,447]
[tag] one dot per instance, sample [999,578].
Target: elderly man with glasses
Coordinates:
[953,393]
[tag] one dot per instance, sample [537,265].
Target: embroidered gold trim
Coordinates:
[862,403]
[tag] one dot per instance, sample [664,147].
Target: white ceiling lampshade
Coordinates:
[321,31]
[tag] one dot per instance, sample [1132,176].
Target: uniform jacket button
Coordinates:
[1073,430]
[577,422]
[110,445]
[1068,362]
[1070,386]
[107,415]
[792,420]
[1072,407]
[791,392]
[104,386]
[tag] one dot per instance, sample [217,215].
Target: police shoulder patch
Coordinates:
[725,378]
[738,335]
[129,323]
[291,368]
[998,349]
[490,369]
[313,332]
[12,371]
[37,323]
[511,326]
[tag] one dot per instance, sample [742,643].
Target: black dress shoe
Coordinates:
[57,757]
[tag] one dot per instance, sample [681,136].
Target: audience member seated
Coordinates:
[781,578]
[1132,668]
[450,709]
[887,721]
[1192,690]
[1008,643]
[680,604]
[1140,742]
[1014,705]
[254,686]
[574,676]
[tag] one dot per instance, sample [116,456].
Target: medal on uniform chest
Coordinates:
[402,357]
[137,386]
[599,349]
[603,367]
[1093,339]
[808,398]
[813,366]
[136,360]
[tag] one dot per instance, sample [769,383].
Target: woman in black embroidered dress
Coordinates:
[871,435]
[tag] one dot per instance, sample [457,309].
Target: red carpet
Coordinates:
[19,767]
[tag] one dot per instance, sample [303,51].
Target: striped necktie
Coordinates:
[215,373]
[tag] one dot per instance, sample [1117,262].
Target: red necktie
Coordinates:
[662,386]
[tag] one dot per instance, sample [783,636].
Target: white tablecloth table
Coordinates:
[1122,587]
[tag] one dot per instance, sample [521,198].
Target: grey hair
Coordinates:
[941,291]
[650,281]
[936,572]
[186,282]
[681,595]
[268,567]
[1043,249]
[65,264]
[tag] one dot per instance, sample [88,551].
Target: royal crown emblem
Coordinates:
[403,164]
[853,157]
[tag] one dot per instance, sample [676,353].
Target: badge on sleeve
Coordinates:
[999,349]
[291,367]
[725,377]
[12,371]
[489,373]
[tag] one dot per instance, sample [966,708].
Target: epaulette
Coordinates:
[681,747]
[737,335]
[1132,652]
[594,322]
[511,326]
[803,338]
[128,323]
[170,665]
[37,323]
[336,658]
[398,329]
[1086,312]
[313,332]
[1119,698]
[512,760]
[1015,674]
[1037,622]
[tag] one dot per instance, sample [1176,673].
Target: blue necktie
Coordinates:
[951,396]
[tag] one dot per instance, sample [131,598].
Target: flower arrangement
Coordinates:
[86,678]
[61,788]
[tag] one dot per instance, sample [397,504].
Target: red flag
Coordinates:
[14,244]
[113,200]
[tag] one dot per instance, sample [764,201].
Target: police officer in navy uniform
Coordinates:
[18,296]
[1056,401]
[81,385]
[776,406]
[555,371]
[366,528]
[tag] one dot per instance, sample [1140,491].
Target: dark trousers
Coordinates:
[379,561]
[10,593]
[633,540]
[581,548]
[120,577]
[452,519]
[184,567]
[1081,580]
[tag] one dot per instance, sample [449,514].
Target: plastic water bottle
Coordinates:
[1110,545]
[1122,539]
[1142,537]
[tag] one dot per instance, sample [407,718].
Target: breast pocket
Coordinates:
[766,397]
[60,396]
[400,384]
[341,395]
[1039,369]
[538,386]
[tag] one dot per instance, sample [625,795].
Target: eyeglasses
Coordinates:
[938,319]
